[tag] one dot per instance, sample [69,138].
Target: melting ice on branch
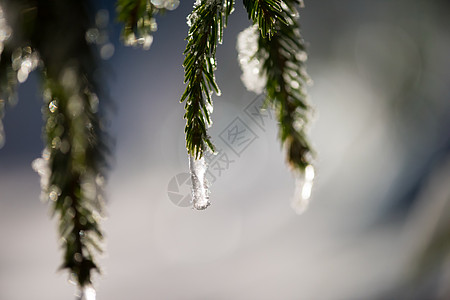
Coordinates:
[200,191]
[87,293]
[303,186]
[252,76]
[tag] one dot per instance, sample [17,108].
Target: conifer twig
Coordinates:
[73,164]
[207,21]
[282,54]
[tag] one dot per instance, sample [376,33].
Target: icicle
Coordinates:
[252,75]
[87,293]
[200,191]
[303,187]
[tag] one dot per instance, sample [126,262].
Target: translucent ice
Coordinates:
[303,187]
[200,191]
[252,76]
[88,293]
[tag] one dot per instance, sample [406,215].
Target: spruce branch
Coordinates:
[207,21]
[265,13]
[283,56]
[51,35]
[75,139]
[138,17]
[75,165]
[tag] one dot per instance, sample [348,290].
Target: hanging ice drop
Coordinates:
[200,191]
[303,187]
[87,293]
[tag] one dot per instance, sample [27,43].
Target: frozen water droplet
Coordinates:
[299,124]
[130,39]
[294,84]
[88,293]
[303,188]
[22,75]
[27,65]
[148,40]
[212,61]
[40,166]
[56,142]
[200,191]
[309,173]
[54,193]
[153,25]
[209,107]
[301,56]
[46,154]
[92,35]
